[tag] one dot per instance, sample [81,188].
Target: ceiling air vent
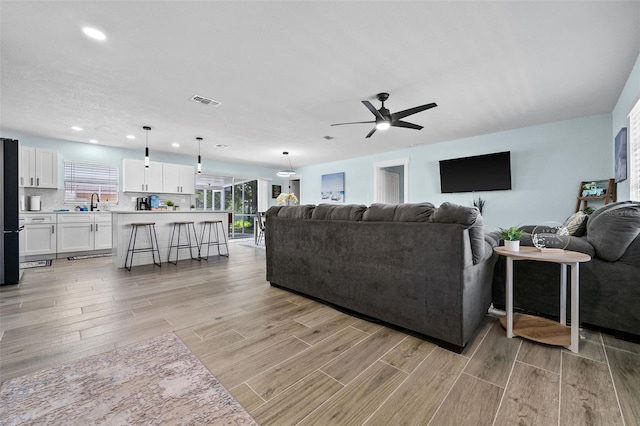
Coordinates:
[205,101]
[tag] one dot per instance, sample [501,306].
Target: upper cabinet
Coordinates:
[178,179]
[158,178]
[137,178]
[38,168]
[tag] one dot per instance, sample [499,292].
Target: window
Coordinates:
[83,179]
[634,151]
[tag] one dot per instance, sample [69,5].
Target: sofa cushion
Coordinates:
[613,227]
[413,212]
[296,212]
[470,218]
[574,222]
[379,212]
[351,212]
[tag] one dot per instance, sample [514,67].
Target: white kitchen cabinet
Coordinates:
[178,179]
[137,178]
[102,231]
[38,168]
[79,232]
[39,235]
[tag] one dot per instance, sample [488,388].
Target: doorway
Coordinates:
[391,181]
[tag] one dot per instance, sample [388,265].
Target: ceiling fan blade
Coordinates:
[353,122]
[402,114]
[373,109]
[371,132]
[400,123]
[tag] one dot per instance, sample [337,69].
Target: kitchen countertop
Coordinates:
[166,211]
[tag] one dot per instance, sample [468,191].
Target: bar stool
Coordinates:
[153,238]
[189,245]
[218,228]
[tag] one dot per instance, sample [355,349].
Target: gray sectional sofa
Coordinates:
[425,269]
[609,283]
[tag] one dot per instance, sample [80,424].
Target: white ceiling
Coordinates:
[284,71]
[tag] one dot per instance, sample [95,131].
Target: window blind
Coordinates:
[634,151]
[83,179]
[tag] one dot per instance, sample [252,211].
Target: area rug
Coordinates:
[35,264]
[157,381]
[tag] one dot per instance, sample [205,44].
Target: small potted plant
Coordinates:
[511,237]
[169,204]
[193,207]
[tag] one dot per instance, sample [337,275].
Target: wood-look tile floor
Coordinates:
[290,360]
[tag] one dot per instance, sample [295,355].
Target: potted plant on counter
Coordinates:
[511,237]
[169,204]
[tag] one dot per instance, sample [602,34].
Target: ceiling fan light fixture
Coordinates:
[286,172]
[383,125]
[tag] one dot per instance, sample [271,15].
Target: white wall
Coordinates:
[620,118]
[547,161]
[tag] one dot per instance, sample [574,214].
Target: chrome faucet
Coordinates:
[95,207]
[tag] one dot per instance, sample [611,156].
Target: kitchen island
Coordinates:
[164,226]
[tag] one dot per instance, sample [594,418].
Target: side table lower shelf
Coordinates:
[539,329]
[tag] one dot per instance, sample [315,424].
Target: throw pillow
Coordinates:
[573,222]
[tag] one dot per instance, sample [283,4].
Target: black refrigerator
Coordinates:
[10,244]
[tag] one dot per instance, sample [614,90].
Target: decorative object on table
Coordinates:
[549,236]
[588,210]
[332,188]
[193,207]
[169,204]
[479,203]
[275,191]
[511,237]
[158,380]
[287,199]
[621,155]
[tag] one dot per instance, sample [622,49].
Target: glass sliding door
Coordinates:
[238,196]
[242,199]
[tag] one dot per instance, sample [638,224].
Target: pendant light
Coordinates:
[146,150]
[199,158]
[286,172]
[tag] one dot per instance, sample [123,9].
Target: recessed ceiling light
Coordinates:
[220,145]
[175,144]
[76,128]
[93,33]
[93,141]
[130,137]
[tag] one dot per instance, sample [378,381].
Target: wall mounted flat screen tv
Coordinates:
[488,172]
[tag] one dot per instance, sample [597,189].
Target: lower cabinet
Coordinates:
[84,232]
[39,235]
[102,231]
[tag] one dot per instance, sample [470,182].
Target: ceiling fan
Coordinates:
[384,118]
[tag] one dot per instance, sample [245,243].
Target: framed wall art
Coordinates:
[275,191]
[621,155]
[332,188]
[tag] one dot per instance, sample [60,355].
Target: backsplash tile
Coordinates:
[53,199]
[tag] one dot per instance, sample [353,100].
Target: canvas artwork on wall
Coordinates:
[621,155]
[332,188]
